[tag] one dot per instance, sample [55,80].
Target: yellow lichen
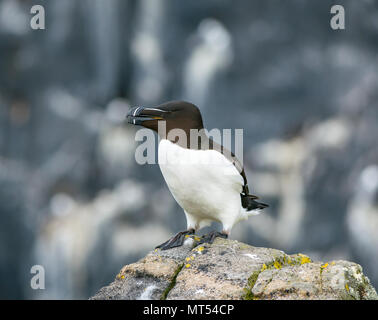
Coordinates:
[264,267]
[324,265]
[197,238]
[304,258]
[187,265]
[277,265]
[347,287]
[122,277]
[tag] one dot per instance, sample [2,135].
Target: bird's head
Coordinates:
[176,114]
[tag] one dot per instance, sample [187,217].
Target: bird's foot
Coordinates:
[176,241]
[210,237]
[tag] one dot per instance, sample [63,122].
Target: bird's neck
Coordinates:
[189,138]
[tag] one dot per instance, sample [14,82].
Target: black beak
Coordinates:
[138,115]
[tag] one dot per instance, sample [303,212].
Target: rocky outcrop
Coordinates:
[229,269]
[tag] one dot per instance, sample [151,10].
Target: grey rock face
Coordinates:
[229,269]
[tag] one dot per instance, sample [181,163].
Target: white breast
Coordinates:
[204,183]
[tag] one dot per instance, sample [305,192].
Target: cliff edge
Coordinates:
[229,269]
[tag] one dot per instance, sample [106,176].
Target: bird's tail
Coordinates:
[249,203]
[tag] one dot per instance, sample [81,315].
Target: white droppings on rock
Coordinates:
[252,256]
[147,293]
[188,242]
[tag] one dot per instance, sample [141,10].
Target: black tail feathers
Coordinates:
[249,203]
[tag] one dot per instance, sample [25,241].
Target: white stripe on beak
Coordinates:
[136,110]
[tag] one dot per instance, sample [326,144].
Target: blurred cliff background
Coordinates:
[72,197]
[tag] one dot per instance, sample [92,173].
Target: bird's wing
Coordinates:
[234,160]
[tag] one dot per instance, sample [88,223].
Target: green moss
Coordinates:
[321,279]
[172,283]
[249,295]
[251,283]
[253,278]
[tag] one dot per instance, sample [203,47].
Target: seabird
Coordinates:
[205,178]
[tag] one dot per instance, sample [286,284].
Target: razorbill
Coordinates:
[205,178]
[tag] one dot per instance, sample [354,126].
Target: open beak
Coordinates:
[138,115]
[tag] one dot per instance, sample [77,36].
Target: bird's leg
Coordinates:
[210,237]
[176,241]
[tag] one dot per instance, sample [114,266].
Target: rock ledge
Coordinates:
[229,269]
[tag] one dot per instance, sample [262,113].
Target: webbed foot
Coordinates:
[176,241]
[210,237]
